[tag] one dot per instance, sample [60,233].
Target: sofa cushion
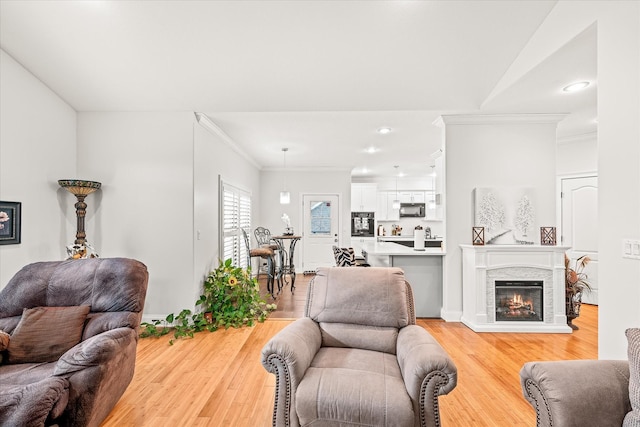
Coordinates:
[632,419]
[353,387]
[376,338]
[45,333]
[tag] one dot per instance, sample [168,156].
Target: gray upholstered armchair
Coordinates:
[586,393]
[357,357]
[69,343]
[580,393]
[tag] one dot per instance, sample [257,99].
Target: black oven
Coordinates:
[363,224]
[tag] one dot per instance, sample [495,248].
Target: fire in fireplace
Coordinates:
[518,300]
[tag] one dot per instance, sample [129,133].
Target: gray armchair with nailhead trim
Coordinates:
[357,357]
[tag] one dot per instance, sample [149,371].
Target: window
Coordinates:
[321,218]
[236,214]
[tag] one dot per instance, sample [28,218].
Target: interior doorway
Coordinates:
[321,219]
[579,218]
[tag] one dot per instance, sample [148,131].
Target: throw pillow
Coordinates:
[345,257]
[45,333]
[632,419]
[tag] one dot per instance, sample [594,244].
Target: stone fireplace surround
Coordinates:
[483,265]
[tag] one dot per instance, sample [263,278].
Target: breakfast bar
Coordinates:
[422,269]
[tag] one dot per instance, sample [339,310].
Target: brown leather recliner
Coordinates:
[357,357]
[82,385]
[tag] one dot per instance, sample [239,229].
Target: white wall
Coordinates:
[213,159]
[37,147]
[618,173]
[618,29]
[577,155]
[145,207]
[312,182]
[490,151]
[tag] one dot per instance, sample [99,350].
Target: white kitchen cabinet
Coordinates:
[357,243]
[385,210]
[412,197]
[363,197]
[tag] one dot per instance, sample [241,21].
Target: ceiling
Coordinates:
[317,77]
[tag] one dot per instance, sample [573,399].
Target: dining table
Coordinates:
[287,254]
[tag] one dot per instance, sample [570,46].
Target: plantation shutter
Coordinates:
[236,214]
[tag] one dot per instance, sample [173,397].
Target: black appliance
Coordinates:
[412,210]
[363,224]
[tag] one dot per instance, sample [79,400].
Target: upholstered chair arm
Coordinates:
[99,369]
[427,370]
[577,392]
[288,355]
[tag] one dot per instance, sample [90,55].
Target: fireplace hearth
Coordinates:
[519,300]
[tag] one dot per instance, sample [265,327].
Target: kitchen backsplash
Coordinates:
[409,224]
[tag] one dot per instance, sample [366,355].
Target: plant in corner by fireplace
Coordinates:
[576,285]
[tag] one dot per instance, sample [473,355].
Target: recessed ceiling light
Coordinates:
[575,86]
[371,150]
[384,131]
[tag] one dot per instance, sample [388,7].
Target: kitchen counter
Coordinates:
[390,248]
[404,237]
[409,241]
[422,269]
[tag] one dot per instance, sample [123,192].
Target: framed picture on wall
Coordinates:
[9,223]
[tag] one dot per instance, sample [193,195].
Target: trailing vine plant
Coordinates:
[230,298]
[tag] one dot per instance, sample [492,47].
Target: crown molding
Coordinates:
[214,129]
[498,119]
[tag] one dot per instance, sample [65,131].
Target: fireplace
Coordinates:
[519,300]
[514,288]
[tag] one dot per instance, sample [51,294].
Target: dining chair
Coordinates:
[264,253]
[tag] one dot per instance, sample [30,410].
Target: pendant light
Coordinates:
[285,196]
[396,202]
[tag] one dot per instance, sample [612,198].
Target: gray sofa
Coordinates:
[357,357]
[93,306]
[586,393]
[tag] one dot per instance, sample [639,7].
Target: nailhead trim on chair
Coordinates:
[434,398]
[410,304]
[280,367]
[528,384]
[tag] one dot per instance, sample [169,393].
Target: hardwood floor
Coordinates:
[216,379]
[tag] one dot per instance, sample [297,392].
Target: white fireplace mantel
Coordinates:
[483,265]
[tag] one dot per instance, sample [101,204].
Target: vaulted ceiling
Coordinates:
[318,77]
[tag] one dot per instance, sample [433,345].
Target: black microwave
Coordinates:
[412,210]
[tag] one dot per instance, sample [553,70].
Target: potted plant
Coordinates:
[230,298]
[576,285]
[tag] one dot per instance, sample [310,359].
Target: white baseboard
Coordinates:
[450,316]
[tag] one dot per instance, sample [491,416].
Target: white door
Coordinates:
[321,216]
[580,226]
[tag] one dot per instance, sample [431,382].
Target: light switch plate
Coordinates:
[631,248]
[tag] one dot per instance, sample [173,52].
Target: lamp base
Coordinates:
[81,251]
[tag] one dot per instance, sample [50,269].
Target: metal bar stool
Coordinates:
[264,239]
[263,253]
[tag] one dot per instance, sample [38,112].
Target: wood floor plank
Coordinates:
[216,379]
